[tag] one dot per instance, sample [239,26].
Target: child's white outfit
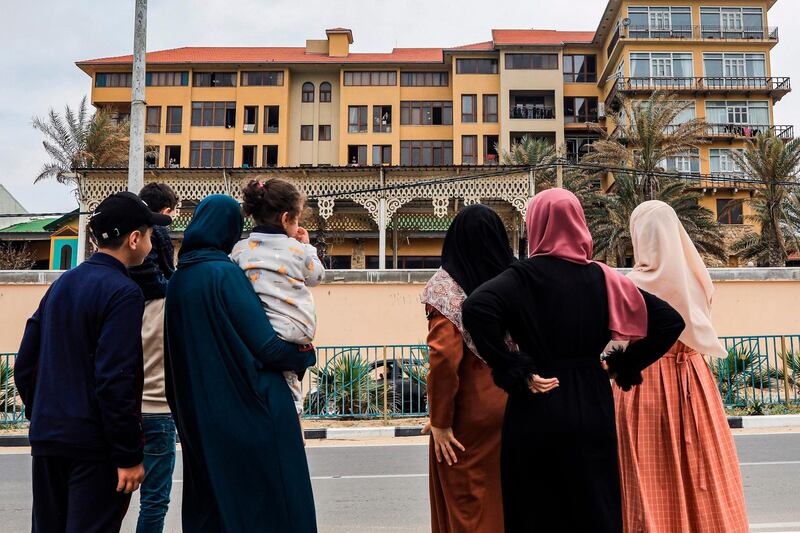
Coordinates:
[281,270]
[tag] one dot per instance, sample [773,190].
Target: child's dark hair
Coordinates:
[267,201]
[158,196]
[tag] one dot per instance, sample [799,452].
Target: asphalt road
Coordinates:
[384,486]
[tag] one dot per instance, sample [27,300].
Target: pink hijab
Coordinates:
[557,227]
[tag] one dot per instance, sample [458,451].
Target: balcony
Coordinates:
[715,33]
[777,87]
[747,131]
[532,105]
[532,112]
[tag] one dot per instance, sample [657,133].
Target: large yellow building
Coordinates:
[321,105]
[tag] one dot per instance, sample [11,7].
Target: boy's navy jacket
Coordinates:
[79,369]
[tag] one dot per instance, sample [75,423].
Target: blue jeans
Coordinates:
[159,463]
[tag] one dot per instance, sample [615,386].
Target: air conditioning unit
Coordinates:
[601,109]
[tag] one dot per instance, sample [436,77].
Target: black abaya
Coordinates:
[559,451]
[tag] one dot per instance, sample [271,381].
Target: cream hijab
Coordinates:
[669,266]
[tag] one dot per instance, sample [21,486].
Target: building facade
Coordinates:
[297,111]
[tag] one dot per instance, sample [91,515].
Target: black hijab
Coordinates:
[476,247]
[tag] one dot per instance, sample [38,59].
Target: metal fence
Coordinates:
[390,381]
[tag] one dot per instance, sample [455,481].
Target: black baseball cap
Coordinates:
[122,213]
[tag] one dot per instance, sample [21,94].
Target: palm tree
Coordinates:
[608,216]
[80,140]
[774,164]
[647,133]
[532,151]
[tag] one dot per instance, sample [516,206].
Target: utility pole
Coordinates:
[138,106]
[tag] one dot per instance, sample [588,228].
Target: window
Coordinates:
[167,79]
[729,211]
[373,78]
[580,69]
[174,119]
[308,92]
[214,79]
[357,154]
[270,158]
[723,162]
[382,154]
[532,61]
[719,65]
[490,108]
[469,149]
[214,114]
[686,163]
[426,153]
[677,68]
[490,155]
[469,108]
[249,156]
[745,113]
[382,119]
[732,22]
[250,119]
[153,122]
[579,145]
[151,154]
[418,113]
[113,79]
[65,261]
[579,109]
[172,156]
[307,133]
[324,132]
[660,22]
[357,119]
[687,114]
[262,78]
[476,66]
[324,92]
[424,79]
[271,118]
[211,154]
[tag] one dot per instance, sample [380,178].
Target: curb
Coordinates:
[362,433]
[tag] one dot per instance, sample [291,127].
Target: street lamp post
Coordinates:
[138,106]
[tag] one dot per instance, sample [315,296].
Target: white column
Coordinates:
[82,234]
[382,234]
[382,224]
[138,106]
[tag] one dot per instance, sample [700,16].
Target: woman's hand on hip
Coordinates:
[539,385]
[443,443]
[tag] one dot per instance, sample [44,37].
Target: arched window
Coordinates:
[324,92]
[308,92]
[65,262]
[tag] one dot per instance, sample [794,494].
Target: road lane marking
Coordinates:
[769,463]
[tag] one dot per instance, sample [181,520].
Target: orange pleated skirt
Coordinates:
[678,467]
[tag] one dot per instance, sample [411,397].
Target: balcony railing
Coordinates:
[532,112]
[744,130]
[777,87]
[718,33]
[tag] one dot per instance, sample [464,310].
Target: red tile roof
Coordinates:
[209,54]
[540,37]
[486,45]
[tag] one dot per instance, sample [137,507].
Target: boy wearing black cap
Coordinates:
[79,372]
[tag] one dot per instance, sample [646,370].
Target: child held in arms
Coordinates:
[281,264]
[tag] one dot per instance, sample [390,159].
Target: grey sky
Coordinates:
[42,39]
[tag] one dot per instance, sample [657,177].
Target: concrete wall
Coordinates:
[373,307]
